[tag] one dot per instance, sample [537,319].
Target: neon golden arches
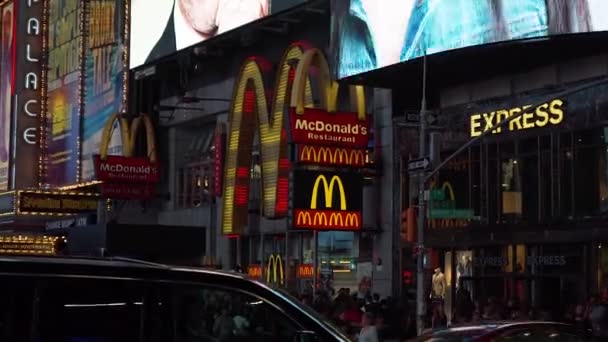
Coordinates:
[269,123]
[329,97]
[128,134]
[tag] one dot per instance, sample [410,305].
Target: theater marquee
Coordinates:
[327,201]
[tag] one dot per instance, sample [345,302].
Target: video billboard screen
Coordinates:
[104,79]
[64,72]
[162,27]
[7,25]
[371,34]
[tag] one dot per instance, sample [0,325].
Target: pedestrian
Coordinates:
[368,333]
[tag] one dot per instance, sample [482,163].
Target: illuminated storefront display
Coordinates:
[293,89]
[327,201]
[305,271]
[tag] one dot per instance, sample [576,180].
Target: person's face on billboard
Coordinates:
[200,14]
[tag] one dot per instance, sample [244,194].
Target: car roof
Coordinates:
[107,266]
[490,326]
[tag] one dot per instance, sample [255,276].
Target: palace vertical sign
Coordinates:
[29,81]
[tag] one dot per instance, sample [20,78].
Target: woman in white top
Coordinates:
[368,333]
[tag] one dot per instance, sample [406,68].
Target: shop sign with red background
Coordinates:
[318,127]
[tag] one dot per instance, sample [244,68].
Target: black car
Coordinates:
[52,299]
[532,331]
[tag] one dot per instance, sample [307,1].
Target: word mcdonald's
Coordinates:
[340,195]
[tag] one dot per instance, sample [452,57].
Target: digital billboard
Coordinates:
[64,89]
[7,24]
[104,78]
[162,27]
[367,35]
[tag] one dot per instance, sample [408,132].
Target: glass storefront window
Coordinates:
[337,259]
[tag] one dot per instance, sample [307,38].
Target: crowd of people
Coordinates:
[365,317]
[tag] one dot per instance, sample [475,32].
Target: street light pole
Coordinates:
[420,301]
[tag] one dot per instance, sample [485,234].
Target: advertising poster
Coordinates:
[367,35]
[104,79]
[6,81]
[162,27]
[64,71]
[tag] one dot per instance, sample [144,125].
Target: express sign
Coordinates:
[327,201]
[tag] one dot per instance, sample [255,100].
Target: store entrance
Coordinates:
[532,293]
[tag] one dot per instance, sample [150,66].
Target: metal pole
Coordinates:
[420,301]
[315,263]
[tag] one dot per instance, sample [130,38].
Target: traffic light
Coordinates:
[408,225]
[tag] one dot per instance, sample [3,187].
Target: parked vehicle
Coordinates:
[117,299]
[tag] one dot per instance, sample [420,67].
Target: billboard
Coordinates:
[64,90]
[327,201]
[7,33]
[104,78]
[162,27]
[367,35]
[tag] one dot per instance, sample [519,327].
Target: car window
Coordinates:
[92,310]
[207,313]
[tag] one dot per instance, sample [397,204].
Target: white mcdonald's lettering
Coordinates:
[129,135]
[325,127]
[328,187]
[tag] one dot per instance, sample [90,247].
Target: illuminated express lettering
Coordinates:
[529,117]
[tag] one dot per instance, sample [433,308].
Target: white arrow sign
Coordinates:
[418,164]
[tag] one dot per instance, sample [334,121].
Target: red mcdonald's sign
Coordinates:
[305,271]
[331,156]
[254,271]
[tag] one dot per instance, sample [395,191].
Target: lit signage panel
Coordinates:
[64,92]
[318,127]
[162,27]
[250,113]
[7,45]
[545,115]
[373,34]
[105,78]
[49,203]
[331,156]
[327,201]
[27,105]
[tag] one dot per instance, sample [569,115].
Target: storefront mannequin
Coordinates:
[440,285]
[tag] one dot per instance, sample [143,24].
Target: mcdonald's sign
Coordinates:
[250,113]
[254,271]
[442,209]
[305,271]
[275,274]
[328,155]
[327,201]
[128,168]
[321,128]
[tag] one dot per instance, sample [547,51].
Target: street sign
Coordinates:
[418,164]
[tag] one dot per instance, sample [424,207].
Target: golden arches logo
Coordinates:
[276,265]
[246,117]
[331,155]
[446,186]
[128,134]
[328,188]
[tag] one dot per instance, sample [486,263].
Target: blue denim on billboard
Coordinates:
[440,25]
